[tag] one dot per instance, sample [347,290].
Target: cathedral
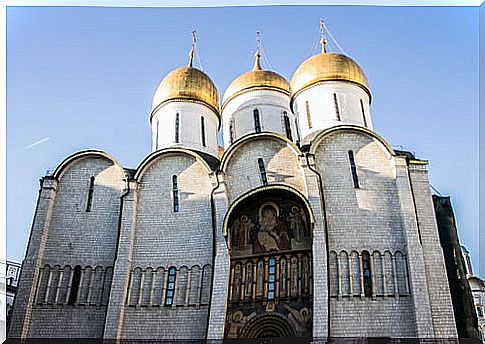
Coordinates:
[307,223]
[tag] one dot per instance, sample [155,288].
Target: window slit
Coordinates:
[202,129]
[363,112]
[169,293]
[177,127]
[257,121]
[175,192]
[308,115]
[90,194]
[75,285]
[231,131]
[337,109]
[262,171]
[366,268]
[287,126]
[353,168]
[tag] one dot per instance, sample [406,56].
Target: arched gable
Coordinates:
[150,159]
[262,190]
[350,128]
[64,165]
[252,137]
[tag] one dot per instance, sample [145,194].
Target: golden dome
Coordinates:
[257,78]
[190,84]
[327,67]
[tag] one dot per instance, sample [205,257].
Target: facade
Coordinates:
[477,287]
[308,225]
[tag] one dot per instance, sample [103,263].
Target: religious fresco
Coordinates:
[269,226]
[270,284]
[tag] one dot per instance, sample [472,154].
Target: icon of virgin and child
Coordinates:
[271,236]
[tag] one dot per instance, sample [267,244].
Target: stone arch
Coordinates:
[268,325]
[269,235]
[150,159]
[262,192]
[59,171]
[321,135]
[256,136]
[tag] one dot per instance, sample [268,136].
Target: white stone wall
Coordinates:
[190,128]
[162,239]
[367,218]
[321,105]
[68,235]
[239,113]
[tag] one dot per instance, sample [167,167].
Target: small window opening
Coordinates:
[76,279]
[231,131]
[337,108]
[353,168]
[308,115]
[287,126]
[297,130]
[90,194]
[363,112]
[271,279]
[175,191]
[257,122]
[177,127]
[202,130]
[169,293]
[366,269]
[156,136]
[262,171]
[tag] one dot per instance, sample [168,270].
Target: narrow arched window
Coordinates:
[297,128]
[308,115]
[363,112]
[257,121]
[337,107]
[353,169]
[90,194]
[175,191]
[177,127]
[271,278]
[156,136]
[202,130]
[75,284]
[262,171]
[231,131]
[287,126]
[169,292]
[366,270]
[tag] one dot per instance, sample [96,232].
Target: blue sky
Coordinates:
[83,77]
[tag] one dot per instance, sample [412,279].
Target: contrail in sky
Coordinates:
[36,143]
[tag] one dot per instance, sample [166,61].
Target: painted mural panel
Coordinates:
[271,273]
[269,226]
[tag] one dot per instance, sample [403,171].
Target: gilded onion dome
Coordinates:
[327,67]
[187,84]
[257,78]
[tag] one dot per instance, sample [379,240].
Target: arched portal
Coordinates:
[269,235]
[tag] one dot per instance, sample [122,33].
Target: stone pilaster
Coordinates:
[29,274]
[416,266]
[122,266]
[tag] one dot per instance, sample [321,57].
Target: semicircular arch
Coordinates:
[59,171]
[252,137]
[153,157]
[262,192]
[352,128]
